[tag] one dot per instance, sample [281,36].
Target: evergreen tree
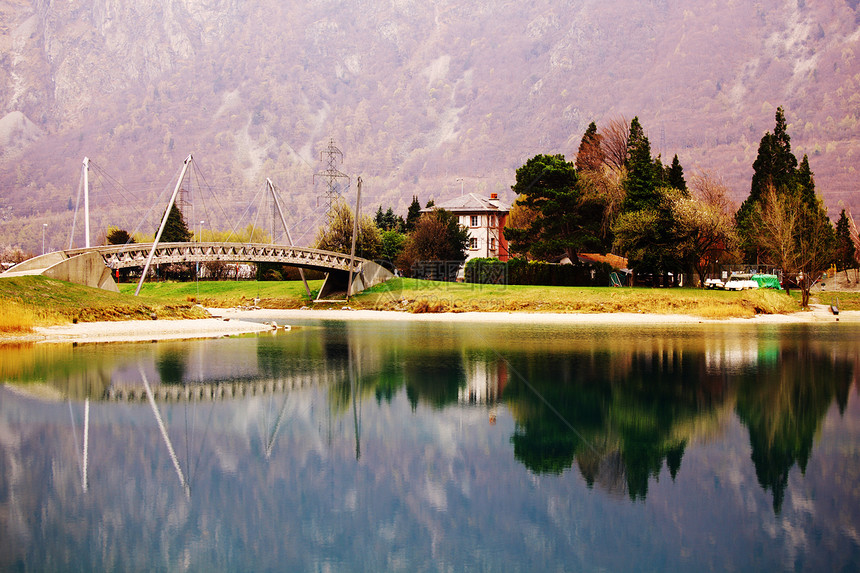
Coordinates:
[413,214]
[176,231]
[844,244]
[675,175]
[590,156]
[568,220]
[388,220]
[775,168]
[117,236]
[641,183]
[805,182]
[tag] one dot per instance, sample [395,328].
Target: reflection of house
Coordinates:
[485,219]
[485,382]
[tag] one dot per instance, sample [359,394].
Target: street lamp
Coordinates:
[44,228]
[460,179]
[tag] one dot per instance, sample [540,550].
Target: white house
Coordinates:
[485,219]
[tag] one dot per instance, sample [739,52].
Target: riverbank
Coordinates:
[818,314]
[231,322]
[141,330]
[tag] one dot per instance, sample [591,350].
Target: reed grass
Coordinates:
[17,319]
[31,301]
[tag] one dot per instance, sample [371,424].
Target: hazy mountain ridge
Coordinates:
[417,95]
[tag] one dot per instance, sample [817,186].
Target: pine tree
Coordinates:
[844,245]
[568,220]
[805,182]
[413,213]
[176,231]
[775,167]
[590,156]
[641,183]
[675,175]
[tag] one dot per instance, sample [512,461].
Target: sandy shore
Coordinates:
[141,330]
[229,322]
[819,313]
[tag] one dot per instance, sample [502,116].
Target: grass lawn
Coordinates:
[427,296]
[225,294]
[39,301]
[35,301]
[847,300]
[412,295]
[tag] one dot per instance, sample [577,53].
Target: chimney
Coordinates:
[494,196]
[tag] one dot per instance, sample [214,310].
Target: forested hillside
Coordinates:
[423,98]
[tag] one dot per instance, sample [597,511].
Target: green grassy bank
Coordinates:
[31,301]
[426,296]
[35,301]
[411,295]
[226,294]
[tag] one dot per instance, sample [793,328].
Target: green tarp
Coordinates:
[767,281]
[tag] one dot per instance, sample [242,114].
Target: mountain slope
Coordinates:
[417,95]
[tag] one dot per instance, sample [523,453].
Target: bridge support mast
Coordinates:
[87,202]
[163,224]
[286,229]
[355,228]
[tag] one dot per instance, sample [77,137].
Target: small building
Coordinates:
[485,219]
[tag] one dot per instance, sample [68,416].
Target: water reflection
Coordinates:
[360,435]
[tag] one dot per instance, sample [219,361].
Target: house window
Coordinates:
[474,220]
[492,243]
[492,220]
[473,243]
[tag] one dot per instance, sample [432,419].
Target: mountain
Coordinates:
[422,98]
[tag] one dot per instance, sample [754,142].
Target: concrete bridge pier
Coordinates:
[337,282]
[86,268]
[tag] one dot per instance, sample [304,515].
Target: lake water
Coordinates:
[396,446]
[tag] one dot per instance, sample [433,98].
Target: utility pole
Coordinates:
[331,175]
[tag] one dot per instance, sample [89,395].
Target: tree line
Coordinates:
[617,197]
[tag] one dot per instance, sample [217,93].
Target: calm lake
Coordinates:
[412,446]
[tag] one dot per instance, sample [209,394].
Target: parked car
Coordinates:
[740,282]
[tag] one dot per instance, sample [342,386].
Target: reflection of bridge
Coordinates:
[201,392]
[92,266]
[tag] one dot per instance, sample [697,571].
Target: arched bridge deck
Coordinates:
[82,265]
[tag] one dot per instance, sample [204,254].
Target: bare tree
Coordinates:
[520,217]
[613,141]
[710,189]
[795,237]
[607,185]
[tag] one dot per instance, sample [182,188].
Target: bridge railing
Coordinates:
[135,254]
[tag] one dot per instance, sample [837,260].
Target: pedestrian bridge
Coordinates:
[95,266]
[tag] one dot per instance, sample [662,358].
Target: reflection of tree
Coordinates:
[783,405]
[77,372]
[629,422]
[434,379]
[171,366]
